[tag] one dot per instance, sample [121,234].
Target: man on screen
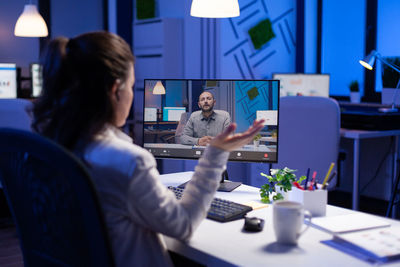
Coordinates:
[206,123]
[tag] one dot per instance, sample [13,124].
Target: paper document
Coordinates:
[348,223]
[256,205]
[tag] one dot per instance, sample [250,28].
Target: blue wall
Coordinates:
[343,41]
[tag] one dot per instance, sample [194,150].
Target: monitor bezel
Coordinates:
[229,159]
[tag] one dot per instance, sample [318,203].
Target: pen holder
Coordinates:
[314,201]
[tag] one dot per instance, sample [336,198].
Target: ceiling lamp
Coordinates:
[30,23]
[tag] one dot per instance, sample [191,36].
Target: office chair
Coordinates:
[181,126]
[309,135]
[53,202]
[14,113]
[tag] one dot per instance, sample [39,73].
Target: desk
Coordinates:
[356,136]
[225,244]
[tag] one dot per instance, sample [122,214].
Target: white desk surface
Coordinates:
[226,244]
[361,134]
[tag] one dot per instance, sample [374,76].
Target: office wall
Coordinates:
[73,17]
[388,34]
[243,58]
[343,39]
[310,36]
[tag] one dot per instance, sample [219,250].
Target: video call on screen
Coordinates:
[167,112]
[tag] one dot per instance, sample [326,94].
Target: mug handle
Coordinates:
[308,216]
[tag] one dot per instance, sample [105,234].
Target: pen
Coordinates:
[311,187]
[308,175]
[328,173]
[329,180]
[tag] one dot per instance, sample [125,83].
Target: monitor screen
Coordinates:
[150,114]
[8,80]
[293,84]
[37,79]
[173,113]
[185,120]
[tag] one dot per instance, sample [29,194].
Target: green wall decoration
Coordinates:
[253,93]
[145,9]
[261,33]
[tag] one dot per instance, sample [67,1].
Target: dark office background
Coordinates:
[313,36]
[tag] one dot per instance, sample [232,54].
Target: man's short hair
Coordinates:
[207,92]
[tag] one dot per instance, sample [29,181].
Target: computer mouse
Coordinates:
[253,224]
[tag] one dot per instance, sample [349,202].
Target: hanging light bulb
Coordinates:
[30,23]
[159,89]
[215,8]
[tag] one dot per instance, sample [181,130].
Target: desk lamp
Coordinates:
[368,63]
[30,23]
[215,8]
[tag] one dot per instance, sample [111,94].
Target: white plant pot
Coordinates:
[355,97]
[256,143]
[284,194]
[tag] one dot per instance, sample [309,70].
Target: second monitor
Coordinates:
[292,84]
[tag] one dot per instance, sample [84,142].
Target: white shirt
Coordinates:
[137,206]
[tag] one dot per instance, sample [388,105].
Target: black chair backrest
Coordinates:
[53,203]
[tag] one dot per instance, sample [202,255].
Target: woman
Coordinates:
[87,95]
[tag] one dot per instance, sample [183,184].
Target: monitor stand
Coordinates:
[224,186]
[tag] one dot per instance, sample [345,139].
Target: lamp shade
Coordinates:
[30,23]
[159,89]
[369,61]
[215,8]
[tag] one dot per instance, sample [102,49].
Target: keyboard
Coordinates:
[221,210]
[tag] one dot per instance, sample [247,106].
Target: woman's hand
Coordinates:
[228,142]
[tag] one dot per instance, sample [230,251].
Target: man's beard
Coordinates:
[207,108]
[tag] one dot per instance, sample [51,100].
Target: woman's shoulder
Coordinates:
[117,148]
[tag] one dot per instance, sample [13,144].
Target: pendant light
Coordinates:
[215,8]
[159,89]
[30,23]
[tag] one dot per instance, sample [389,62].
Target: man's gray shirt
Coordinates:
[199,126]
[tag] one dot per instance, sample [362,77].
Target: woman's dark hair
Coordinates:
[78,75]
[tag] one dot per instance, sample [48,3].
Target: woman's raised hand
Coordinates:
[228,141]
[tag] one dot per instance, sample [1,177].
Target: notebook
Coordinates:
[348,223]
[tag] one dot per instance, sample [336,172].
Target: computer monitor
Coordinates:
[36,79]
[173,113]
[150,114]
[244,101]
[8,80]
[292,84]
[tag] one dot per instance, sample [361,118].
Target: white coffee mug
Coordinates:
[288,220]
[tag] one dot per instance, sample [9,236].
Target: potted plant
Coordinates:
[279,182]
[256,140]
[354,92]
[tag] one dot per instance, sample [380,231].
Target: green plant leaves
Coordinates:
[282,178]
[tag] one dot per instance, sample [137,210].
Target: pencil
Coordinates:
[329,180]
[328,173]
